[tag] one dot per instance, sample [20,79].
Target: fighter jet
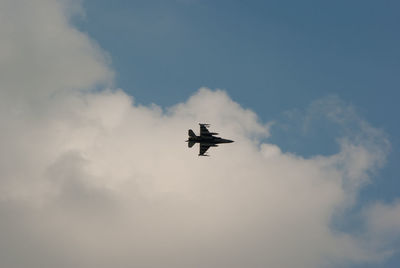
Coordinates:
[206,139]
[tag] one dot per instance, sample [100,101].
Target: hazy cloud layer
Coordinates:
[90,179]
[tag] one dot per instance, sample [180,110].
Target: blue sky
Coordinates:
[270,56]
[259,51]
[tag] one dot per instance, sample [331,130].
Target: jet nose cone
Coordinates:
[229,141]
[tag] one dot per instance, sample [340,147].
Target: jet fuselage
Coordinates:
[208,140]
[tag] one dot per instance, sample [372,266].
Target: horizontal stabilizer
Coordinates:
[190,144]
[191,134]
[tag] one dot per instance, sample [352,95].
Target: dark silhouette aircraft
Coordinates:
[206,139]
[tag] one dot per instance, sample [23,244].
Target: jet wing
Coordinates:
[203,149]
[203,130]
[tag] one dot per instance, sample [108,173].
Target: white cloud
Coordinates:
[90,179]
[385,217]
[383,227]
[41,53]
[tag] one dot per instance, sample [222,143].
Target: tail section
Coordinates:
[191,137]
[191,134]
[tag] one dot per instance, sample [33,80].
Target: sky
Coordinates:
[96,99]
[271,56]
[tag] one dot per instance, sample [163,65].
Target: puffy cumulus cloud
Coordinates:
[383,227]
[41,53]
[357,139]
[91,179]
[384,217]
